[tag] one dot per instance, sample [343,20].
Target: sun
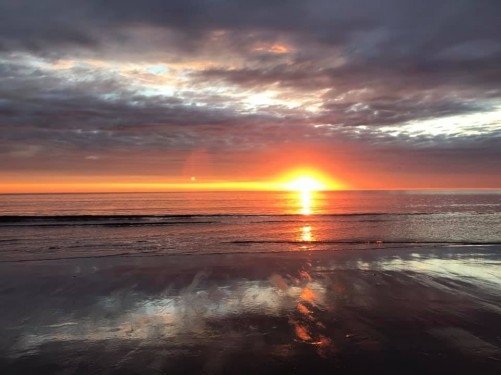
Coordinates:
[308,180]
[305,184]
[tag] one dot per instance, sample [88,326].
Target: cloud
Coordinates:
[384,30]
[92,78]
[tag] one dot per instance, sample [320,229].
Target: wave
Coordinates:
[117,224]
[6,219]
[102,220]
[365,242]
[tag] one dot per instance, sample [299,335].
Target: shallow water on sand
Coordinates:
[385,311]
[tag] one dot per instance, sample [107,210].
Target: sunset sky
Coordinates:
[119,94]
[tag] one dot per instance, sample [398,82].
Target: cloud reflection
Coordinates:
[178,317]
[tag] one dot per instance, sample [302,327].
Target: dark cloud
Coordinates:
[366,29]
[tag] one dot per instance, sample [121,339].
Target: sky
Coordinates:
[122,94]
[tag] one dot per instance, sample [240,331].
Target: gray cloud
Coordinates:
[365,29]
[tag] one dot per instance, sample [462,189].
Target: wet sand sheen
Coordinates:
[400,310]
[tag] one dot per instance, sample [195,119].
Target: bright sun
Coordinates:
[305,183]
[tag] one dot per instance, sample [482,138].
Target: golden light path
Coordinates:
[306,235]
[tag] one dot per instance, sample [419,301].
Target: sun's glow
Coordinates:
[309,180]
[305,184]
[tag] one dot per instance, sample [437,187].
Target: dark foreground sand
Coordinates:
[390,311]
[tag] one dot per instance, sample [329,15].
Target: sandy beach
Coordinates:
[387,310]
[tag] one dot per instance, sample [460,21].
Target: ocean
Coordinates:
[251,282]
[52,226]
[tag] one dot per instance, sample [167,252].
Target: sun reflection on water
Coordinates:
[306,235]
[306,202]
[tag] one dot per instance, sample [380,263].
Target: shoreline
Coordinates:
[302,247]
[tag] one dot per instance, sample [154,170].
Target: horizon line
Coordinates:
[208,190]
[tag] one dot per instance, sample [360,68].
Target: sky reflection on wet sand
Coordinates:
[275,311]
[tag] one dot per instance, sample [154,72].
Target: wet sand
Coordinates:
[400,310]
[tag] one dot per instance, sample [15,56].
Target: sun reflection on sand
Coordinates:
[308,328]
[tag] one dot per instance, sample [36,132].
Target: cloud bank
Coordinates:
[393,88]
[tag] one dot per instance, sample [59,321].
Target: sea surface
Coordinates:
[55,226]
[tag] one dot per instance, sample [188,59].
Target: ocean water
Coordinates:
[59,226]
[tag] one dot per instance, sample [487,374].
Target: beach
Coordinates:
[381,310]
